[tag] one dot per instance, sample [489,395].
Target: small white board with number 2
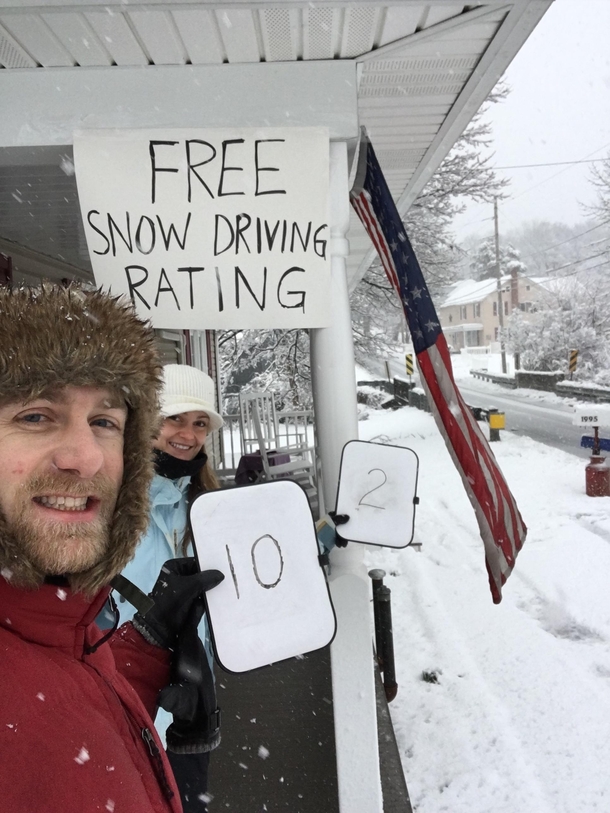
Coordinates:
[274,602]
[377,491]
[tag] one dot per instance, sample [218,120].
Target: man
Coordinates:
[79,380]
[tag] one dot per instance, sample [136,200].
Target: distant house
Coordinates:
[469,314]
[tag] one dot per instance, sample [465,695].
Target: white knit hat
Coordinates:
[187,389]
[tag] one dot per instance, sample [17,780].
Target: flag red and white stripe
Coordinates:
[500,523]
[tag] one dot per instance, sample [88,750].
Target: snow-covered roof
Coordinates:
[471,290]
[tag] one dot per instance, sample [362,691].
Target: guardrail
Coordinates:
[570,390]
[503,380]
[548,382]
[407,394]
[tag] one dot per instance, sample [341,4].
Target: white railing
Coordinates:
[231,443]
[295,427]
[475,351]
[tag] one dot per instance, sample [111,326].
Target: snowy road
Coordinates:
[538,415]
[547,423]
[519,721]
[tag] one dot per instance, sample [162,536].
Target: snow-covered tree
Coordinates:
[570,317]
[483,264]
[268,360]
[545,246]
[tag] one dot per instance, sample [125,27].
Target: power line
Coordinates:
[576,262]
[573,273]
[554,163]
[584,160]
[569,239]
[550,178]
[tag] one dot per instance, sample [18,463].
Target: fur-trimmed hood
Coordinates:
[56,337]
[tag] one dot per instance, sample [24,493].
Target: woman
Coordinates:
[182,473]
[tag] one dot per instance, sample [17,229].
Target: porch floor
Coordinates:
[277,752]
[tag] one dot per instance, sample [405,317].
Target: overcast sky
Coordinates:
[558,110]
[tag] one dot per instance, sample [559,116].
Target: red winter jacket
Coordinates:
[75,737]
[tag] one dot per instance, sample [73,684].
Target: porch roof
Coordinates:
[423,70]
[466,328]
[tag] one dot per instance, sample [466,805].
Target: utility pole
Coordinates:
[499,276]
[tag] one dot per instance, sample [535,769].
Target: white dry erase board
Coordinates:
[274,602]
[378,492]
[210,228]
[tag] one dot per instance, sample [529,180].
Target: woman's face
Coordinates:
[183,435]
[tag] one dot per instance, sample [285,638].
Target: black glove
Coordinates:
[190,697]
[180,584]
[339,519]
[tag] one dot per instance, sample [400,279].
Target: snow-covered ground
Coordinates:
[519,721]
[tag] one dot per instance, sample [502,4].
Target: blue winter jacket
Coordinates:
[162,541]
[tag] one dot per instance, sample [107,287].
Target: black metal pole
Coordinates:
[384,597]
[384,638]
[377,577]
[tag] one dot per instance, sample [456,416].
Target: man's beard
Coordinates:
[58,548]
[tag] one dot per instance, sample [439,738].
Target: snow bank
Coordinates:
[519,721]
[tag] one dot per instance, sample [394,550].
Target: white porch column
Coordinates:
[334,392]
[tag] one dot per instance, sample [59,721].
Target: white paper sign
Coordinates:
[591,416]
[274,601]
[206,229]
[377,490]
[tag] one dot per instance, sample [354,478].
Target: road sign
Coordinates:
[409,363]
[591,415]
[588,442]
[573,361]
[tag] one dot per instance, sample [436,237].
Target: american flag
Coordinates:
[500,523]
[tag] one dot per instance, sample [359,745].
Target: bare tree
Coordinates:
[600,178]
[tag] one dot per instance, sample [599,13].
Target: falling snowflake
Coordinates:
[263,752]
[61,594]
[40,696]
[83,756]
[66,165]
[110,805]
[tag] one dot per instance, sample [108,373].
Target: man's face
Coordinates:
[61,464]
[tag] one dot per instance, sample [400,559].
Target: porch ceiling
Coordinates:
[424,69]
